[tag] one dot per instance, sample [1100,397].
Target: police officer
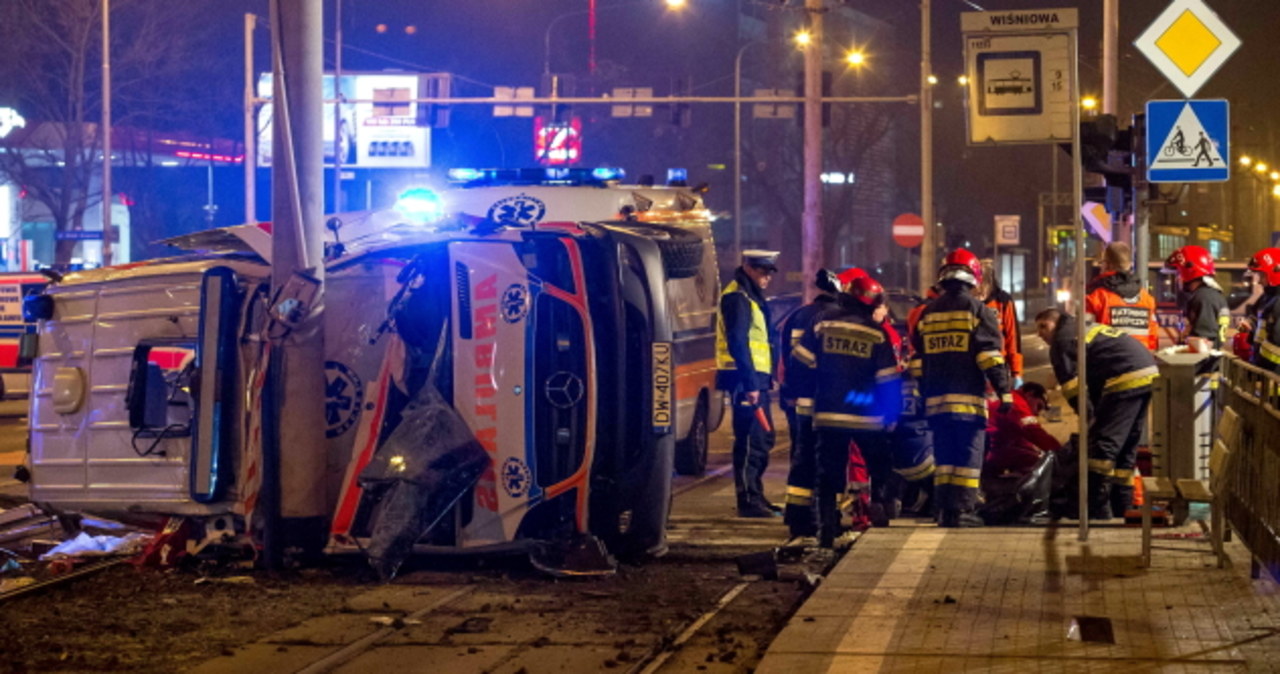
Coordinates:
[853,380]
[1117,299]
[1266,344]
[801,518]
[1121,372]
[744,368]
[1207,313]
[957,350]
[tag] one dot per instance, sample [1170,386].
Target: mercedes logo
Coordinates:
[564,389]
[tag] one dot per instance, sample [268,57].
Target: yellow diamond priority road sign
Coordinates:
[1188,43]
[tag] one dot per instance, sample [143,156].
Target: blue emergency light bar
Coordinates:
[473,177]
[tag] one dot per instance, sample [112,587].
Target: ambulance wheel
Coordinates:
[681,249]
[691,453]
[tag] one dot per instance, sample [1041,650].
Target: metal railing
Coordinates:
[1248,483]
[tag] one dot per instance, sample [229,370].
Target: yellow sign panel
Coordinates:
[1188,43]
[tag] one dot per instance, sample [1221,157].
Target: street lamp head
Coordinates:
[1275,175]
[1260,167]
[1275,190]
[932,79]
[803,38]
[855,58]
[1089,103]
[675,4]
[963,80]
[1246,160]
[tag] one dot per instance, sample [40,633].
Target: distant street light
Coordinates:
[803,39]
[855,58]
[1260,167]
[932,79]
[1246,160]
[1275,175]
[1089,103]
[963,80]
[675,4]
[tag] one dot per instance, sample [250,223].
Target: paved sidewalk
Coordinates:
[915,598]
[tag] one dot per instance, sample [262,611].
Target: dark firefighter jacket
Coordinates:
[744,352]
[1266,350]
[1118,365]
[1208,315]
[849,370]
[1117,299]
[792,328]
[957,349]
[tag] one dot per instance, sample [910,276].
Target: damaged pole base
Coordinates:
[575,556]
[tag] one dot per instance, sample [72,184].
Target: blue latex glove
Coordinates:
[1017,383]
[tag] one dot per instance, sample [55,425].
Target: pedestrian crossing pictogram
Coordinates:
[1187,141]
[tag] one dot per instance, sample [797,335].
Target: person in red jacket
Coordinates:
[1017,438]
[1001,302]
[1116,297]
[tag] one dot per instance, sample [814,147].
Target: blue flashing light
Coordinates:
[420,205]
[677,176]
[465,175]
[607,173]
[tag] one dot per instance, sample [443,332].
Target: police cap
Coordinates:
[764,259]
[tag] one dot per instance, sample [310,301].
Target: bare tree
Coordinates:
[50,63]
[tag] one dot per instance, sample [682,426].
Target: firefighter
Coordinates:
[956,352]
[1206,314]
[1001,302]
[1263,316]
[853,380]
[1117,298]
[1121,372]
[1017,440]
[800,516]
[744,368]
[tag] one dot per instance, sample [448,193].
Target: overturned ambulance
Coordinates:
[550,338]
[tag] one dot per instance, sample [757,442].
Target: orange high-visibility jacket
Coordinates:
[1117,300]
[1002,303]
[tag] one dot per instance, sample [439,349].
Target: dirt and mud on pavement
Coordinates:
[691,610]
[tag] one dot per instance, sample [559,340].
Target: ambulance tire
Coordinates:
[691,453]
[681,249]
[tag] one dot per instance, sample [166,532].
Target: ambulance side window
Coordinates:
[163,380]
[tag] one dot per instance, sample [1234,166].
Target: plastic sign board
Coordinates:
[1187,43]
[1019,71]
[1008,230]
[908,230]
[1188,141]
[1098,219]
[387,130]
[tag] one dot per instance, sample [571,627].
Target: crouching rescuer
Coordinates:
[957,349]
[850,370]
[1120,375]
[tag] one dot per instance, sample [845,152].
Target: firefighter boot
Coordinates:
[951,518]
[1121,499]
[1099,497]
[801,520]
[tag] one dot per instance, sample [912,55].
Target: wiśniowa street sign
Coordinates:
[1019,66]
[1187,43]
[1188,141]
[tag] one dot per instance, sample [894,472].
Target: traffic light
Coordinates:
[682,113]
[1107,150]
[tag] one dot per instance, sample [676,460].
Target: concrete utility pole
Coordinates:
[106,133]
[928,247]
[250,132]
[297,213]
[811,226]
[1110,54]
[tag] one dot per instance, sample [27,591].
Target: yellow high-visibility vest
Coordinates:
[757,336]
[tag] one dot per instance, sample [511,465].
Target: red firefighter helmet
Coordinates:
[1191,263]
[866,290]
[850,275]
[1267,263]
[961,265]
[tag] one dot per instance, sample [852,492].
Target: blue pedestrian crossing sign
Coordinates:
[1187,141]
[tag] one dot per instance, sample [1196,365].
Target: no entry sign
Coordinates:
[908,230]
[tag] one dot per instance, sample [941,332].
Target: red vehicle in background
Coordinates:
[15,374]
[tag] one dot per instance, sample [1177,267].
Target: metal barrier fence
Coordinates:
[1247,483]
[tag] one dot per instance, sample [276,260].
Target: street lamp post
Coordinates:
[811,225]
[737,150]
